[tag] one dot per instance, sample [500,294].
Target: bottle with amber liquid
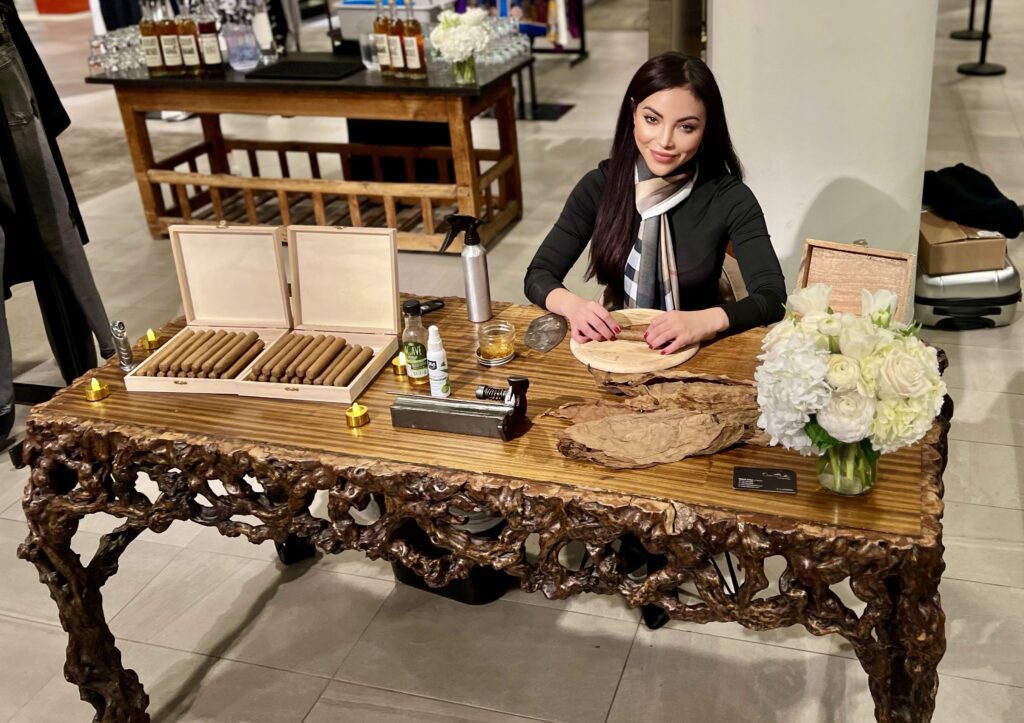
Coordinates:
[395,42]
[167,29]
[381,31]
[209,43]
[188,40]
[151,39]
[412,39]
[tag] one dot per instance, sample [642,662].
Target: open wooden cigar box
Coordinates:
[848,268]
[316,324]
[346,317]
[232,282]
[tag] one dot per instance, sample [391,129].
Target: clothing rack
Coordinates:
[580,53]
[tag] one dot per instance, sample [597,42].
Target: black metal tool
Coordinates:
[503,418]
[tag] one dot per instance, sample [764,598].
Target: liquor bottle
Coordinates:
[395,42]
[151,39]
[209,43]
[381,31]
[412,39]
[167,28]
[188,40]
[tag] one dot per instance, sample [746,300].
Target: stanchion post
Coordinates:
[982,67]
[970,33]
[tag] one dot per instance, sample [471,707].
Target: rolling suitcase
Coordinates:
[974,300]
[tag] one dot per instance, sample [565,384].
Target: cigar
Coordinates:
[327,378]
[275,351]
[261,377]
[231,353]
[311,343]
[214,348]
[326,355]
[174,350]
[243,360]
[195,351]
[272,379]
[633,333]
[288,356]
[313,356]
[353,367]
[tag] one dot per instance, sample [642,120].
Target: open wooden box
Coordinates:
[344,282]
[231,279]
[848,268]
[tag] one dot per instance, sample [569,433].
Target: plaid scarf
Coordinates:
[651,281]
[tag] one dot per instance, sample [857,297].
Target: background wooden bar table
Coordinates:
[200,185]
[85,458]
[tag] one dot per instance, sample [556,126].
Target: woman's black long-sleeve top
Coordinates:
[718,210]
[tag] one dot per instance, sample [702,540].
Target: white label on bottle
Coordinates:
[412,54]
[395,47]
[383,56]
[210,49]
[151,47]
[189,49]
[172,51]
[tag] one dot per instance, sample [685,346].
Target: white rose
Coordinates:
[474,16]
[902,374]
[879,306]
[848,417]
[861,338]
[830,325]
[900,422]
[813,298]
[843,373]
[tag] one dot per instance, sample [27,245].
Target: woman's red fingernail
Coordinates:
[663,352]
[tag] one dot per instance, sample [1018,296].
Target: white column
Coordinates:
[827,102]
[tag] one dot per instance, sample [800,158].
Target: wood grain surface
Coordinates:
[629,357]
[309,428]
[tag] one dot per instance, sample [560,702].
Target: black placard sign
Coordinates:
[764,479]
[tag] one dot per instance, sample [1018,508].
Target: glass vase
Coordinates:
[848,468]
[465,71]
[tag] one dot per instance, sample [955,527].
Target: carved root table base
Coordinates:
[82,469]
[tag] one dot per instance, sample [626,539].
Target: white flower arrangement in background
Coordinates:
[827,378]
[460,36]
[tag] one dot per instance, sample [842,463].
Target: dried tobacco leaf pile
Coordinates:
[663,417]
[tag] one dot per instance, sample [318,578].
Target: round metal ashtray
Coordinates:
[494,362]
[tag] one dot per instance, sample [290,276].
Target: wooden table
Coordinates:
[85,458]
[201,185]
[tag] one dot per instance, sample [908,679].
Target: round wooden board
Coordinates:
[629,357]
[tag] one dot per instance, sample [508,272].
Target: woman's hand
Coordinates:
[588,320]
[677,329]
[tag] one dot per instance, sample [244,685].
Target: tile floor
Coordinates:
[193,610]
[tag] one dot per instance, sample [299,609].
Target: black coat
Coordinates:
[17,267]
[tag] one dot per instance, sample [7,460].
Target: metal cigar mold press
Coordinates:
[499,412]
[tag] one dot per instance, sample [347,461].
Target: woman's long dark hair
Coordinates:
[613,229]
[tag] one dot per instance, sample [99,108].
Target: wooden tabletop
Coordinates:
[893,507]
[439,81]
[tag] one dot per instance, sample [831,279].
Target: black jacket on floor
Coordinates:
[966,195]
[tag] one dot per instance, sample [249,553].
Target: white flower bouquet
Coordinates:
[846,387]
[458,37]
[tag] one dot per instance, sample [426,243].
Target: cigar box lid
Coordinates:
[344,279]
[848,268]
[231,275]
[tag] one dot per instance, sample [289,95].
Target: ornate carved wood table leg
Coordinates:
[62,489]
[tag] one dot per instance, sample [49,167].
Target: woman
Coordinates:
[659,215]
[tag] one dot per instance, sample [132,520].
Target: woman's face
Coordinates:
[668,127]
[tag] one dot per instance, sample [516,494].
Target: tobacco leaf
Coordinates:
[633,441]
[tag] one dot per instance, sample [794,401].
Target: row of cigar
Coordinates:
[206,355]
[306,359]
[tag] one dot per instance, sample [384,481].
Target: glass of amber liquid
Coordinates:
[496,343]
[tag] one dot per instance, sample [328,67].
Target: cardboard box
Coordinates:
[848,268]
[946,247]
